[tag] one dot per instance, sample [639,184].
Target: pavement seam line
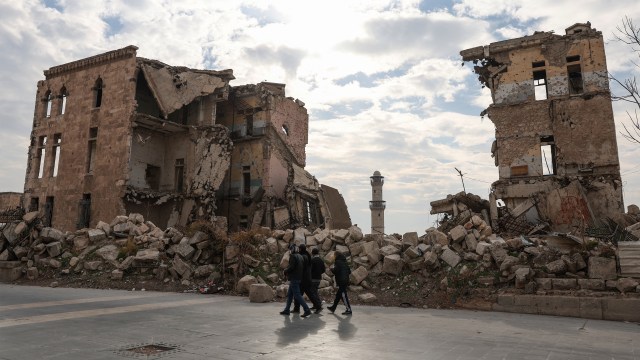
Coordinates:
[101,312]
[67,302]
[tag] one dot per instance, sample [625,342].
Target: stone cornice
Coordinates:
[125,52]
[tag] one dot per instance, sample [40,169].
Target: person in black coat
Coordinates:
[306,283]
[317,269]
[341,271]
[294,273]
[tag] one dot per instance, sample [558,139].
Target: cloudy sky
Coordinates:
[382,80]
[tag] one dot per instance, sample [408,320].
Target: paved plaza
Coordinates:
[57,323]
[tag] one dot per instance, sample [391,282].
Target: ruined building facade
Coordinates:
[116,133]
[555,146]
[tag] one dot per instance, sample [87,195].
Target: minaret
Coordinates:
[377,205]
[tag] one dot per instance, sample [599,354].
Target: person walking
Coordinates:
[294,273]
[317,269]
[306,283]
[341,271]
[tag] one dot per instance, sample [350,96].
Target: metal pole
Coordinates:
[460,172]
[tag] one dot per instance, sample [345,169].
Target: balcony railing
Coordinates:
[377,205]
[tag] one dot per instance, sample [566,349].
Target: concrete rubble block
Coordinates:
[367,298]
[117,274]
[391,240]
[514,243]
[423,248]
[412,252]
[284,261]
[54,249]
[182,268]
[392,264]
[203,271]
[356,248]
[55,264]
[322,236]
[508,262]
[244,283]
[327,244]
[544,283]
[20,252]
[330,257]
[202,245]
[278,234]
[10,271]
[125,264]
[471,256]
[106,228]
[355,233]
[30,217]
[591,284]
[431,259]
[93,265]
[369,246]
[198,237]
[374,256]
[471,242]
[437,237]
[9,233]
[556,267]
[564,284]
[389,250]
[273,278]
[49,234]
[119,220]
[458,233]
[281,290]
[271,245]
[498,253]
[571,265]
[136,218]
[340,235]
[20,229]
[147,256]
[482,247]
[108,252]
[416,264]
[611,284]
[122,228]
[410,239]
[32,273]
[185,250]
[300,235]
[311,241]
[282,246]
[250,261]
[625,285]
[342,249]
[450,257]
[231,251]
[602,268]
[579,262]
[477,221]
[358,275]
[288,235]
[260,293]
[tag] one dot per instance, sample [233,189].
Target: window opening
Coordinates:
[249,119]
[540,84]
[246,180]
[97,92]
[49,97]
[575,79]
[91,159]
[152,176]
[244,222]
[42,143]
[573,58]
[84,212]
[47,217]
[536,64]
[57,139]
[285,130]
[548,155]
[63,100]
[34,203]
[179,175]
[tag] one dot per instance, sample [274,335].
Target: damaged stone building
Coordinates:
[115,134]
[555,146]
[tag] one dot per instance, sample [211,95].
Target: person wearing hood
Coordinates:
[341,271]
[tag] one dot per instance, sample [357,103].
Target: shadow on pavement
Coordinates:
[296,328]
[346,330]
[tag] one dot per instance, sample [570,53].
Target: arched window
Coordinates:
[49,99]
[97,92]
[63,100]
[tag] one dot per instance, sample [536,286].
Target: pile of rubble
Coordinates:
[468,256]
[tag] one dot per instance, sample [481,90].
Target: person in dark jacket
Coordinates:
[341,271]
[306,283]
[294,273]
[317,269]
